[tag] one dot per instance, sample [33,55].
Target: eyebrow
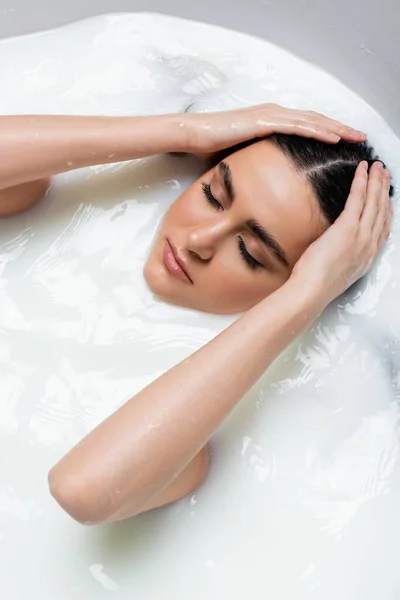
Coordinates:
[226,175]
[263,235]
[268,240]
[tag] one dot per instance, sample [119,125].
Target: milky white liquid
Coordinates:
[303,497]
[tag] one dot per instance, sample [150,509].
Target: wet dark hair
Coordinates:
[330,168]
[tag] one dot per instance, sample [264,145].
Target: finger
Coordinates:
[372,202]
[383,208]
[287,125]
[385,232]
[387,227]
[358,193]
[304,128]
[306,124]
[345,132]
[324,132]
[333,127]
[317,132]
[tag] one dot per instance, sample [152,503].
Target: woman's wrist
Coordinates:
[154,134]
[275,322]
[309,295]
[292,307]
[158,134]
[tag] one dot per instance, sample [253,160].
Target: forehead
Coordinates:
[270,190]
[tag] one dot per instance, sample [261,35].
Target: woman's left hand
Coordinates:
[346,251]
[207,133]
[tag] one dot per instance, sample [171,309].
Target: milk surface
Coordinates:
[303,496]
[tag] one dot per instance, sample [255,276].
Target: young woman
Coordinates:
[276,230]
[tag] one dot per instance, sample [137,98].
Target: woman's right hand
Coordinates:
[207,133]
[346,251]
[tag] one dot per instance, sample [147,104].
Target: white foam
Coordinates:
[302,499]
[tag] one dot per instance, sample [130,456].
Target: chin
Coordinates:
[159,284]
[152,278]
[155,279]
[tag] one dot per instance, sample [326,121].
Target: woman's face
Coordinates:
[234,236]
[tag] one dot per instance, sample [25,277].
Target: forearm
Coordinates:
[34,146]
[137,451]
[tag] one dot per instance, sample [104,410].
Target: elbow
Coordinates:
[76,498]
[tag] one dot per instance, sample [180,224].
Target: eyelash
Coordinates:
[248,258]
[210,198]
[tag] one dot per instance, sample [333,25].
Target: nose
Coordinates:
[203,239]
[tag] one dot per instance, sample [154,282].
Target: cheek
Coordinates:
[230,285]
[187,210]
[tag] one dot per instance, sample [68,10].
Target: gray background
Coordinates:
[356,40]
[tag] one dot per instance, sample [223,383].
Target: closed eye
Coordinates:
[247,257]
[209,196]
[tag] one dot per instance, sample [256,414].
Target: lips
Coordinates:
[174,264]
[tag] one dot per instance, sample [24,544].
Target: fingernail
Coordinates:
[364,165]
[379,165]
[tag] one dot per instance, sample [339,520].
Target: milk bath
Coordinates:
[304,492]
